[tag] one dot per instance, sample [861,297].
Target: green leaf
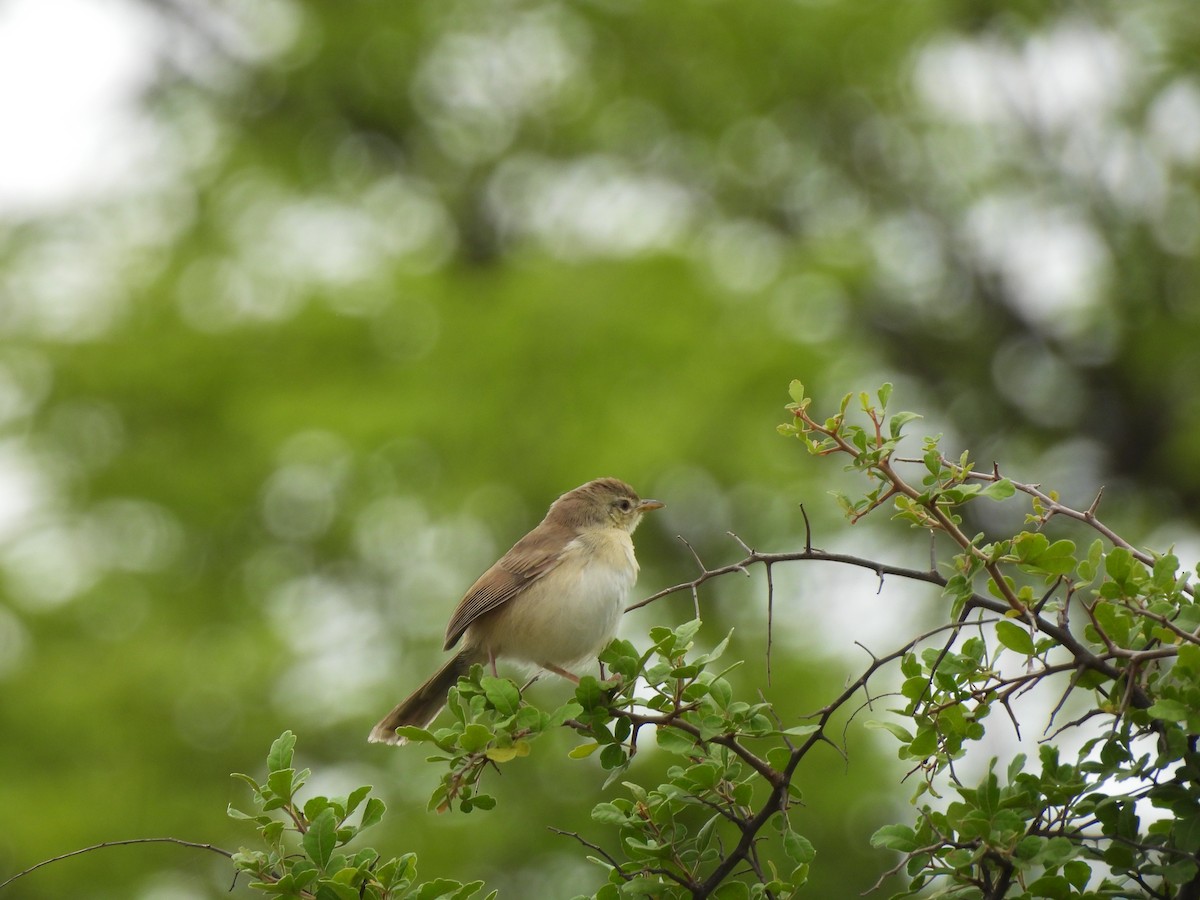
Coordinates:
[613,756]
[1078,873]
[899,420]
[795,391]
[583,751]
[321,838]
[280,782]
[315,806]
[280,755]
[329,889]
[924,743]
[685,632]
[506,754]
[475,737]
[798,847]
[357,796]
[1169,710]
[999,490]
[414,733]
[895,837]
[444,889]
[1053,886]
[609,814]
[885,393]
[1119,565]
[590,694]
[373,812]
[674,741]
[502,694]
[898,730]
[1115,620]
[1014,637]
[801,730]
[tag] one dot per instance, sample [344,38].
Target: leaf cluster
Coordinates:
[1024,611]
[305,855]
[722,805]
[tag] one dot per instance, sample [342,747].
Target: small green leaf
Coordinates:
[885,393]
[583,751]
[899,731]
[373,812]
[357,796]
[895,837]
[609,814]
[675,741]
[924,743]
[798,847]
[502,694]
[475,737]
[899,420]
[796,391]
[336,890]
[414,734]
[1014,637]
[321,838]
[1119,565]
[505,754]
[589,693]
[315,806]
[1078,873]
[999,490]
[1169,710]
[280,782]
[801,730]
[280,756]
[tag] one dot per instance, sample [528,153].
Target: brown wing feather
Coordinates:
[528,560]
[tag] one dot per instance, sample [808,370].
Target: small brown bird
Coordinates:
[553,600]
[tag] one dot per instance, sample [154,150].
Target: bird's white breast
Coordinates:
[571,613]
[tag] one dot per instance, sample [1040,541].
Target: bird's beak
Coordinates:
[647,505]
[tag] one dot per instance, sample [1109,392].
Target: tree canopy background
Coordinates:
[389,277]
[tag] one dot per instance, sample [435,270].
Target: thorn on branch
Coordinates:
[807,530]
[742,544]
[1090,512]
[1037,609]
[770,619]
[695,555]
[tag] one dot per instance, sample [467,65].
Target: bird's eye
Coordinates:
[625,504]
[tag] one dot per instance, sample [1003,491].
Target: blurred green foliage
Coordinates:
[394,275]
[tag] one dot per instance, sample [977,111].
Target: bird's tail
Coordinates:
[422,705]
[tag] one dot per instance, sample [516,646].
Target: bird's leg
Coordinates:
[550,667]
[492,663]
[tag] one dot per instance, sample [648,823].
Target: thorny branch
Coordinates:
[1117,664]
[105,844]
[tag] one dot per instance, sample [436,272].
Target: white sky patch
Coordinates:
[67,99]
[1069,75]
[594,206]
[24,489]
[1050,256]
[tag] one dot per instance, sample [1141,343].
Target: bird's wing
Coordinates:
[529,559]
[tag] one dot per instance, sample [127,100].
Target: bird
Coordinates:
[553,600]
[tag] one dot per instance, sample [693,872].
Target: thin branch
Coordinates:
[1055,508]
[609,858]
[770,619]
[124,843]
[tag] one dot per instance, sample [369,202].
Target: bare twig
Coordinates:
[124,843]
